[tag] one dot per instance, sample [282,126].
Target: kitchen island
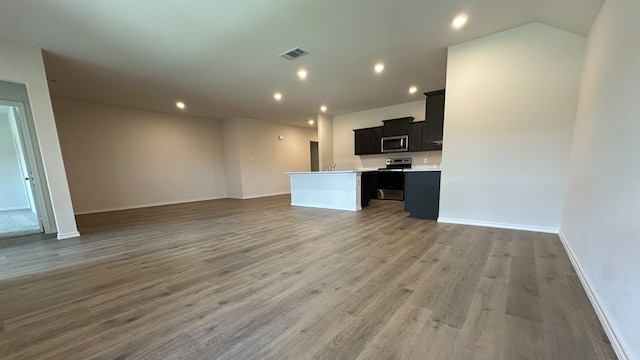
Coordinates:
[339,190]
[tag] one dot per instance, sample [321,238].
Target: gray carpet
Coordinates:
[17,223]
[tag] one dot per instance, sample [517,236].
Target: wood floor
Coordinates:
[259,279]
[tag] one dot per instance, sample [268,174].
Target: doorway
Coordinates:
[24,142]
[19,213]
[315,156]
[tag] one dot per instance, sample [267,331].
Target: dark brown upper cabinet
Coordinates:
[376,138]
[434,123]
[396,127]
[367,141]
[416,136]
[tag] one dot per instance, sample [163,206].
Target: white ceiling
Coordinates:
[222,57]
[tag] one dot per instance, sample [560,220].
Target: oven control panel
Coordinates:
[399,163]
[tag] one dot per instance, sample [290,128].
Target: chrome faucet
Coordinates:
[333,167]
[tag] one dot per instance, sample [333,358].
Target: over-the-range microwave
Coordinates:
[395,143]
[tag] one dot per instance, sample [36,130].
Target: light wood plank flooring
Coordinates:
[259,279]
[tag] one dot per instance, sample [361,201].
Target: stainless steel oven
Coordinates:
[391,179]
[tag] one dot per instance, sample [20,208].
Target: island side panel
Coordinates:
[327,190]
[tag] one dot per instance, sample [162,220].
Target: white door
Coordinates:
[25,175]
[21,204]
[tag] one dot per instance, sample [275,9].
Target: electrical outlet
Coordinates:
[426,160]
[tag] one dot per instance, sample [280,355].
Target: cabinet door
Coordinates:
[374,184]
[376,139]
[402,127]
[367,141]
[396,127]
[358,142]
[422,194]
[426,144]
[369,187]
[434,119]
[389,128]
[415,136]
[365,189]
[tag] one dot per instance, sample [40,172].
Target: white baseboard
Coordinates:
[266,195]
[321,206]
[68,235]
[595,302]
[95,211]
[499,225]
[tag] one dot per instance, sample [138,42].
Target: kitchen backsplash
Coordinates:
[378,161]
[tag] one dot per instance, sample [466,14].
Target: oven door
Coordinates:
[391,184]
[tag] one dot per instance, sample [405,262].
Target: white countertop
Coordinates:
[417,168]
[326,172]
[423,168]
[368,169]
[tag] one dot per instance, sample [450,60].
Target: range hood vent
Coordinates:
[293,54]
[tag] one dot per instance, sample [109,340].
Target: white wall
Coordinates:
[262,159]
[601,220]
[125,158]
[509,116]
[325,140]
[232,164]
[13,194]
[343,136]
[23,64]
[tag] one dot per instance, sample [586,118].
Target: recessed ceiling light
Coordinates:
[459,21]
[323,108]
[277,96]
[378,68]
[180,105]
[311,122]
[412,90]
[302,74]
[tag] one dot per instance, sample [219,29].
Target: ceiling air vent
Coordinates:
[293,54]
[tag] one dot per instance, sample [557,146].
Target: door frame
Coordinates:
[31,150]
[314,160]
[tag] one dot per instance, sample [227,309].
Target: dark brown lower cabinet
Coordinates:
[422,194]
[368,187]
